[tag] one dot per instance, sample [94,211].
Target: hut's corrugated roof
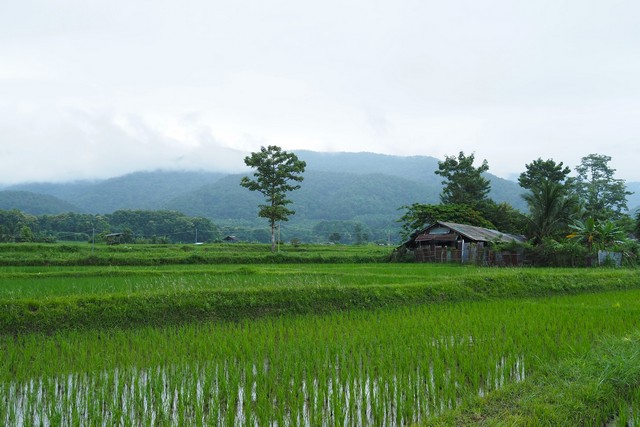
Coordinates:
[480,234]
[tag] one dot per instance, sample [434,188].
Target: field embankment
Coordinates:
[46,300]
[83,254]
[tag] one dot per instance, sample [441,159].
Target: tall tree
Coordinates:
[551,209]
[604,196]
[543,170]
[552,205]
[504,217]
[274,172]
[463,183]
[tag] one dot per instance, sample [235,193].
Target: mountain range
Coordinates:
[365,187]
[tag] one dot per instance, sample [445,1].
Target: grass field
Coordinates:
[318,344]
[74,254]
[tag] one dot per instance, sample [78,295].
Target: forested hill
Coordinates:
[370,198]
[409,180]
[420,169]
[140,190]
[34,203]
[362,187]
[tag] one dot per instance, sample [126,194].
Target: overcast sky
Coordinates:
[94,89]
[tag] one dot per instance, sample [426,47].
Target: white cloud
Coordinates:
[71,144]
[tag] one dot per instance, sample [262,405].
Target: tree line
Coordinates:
[131,226]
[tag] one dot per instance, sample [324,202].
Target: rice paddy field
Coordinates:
[326,344]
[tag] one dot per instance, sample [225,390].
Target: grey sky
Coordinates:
[92,89]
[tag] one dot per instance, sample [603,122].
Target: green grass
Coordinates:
[597,388]
[78,254]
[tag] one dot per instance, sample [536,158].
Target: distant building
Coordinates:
[114,238]
[230,239]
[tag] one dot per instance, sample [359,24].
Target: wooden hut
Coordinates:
[462,243]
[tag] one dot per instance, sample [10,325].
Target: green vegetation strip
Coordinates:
[599,388]
[305,289]
[83,254]
[395,366]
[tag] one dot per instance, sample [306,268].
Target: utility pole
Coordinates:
[93,239]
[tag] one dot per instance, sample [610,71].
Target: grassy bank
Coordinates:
[47,301]
[598,388]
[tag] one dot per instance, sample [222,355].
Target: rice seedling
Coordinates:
[394,366]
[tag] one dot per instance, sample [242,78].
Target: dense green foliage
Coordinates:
[541,171]
[604,196]
[353,232]
[551,209]
[136,226]
[16,226]
[504,217]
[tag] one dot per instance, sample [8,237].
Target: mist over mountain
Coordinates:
[139,190]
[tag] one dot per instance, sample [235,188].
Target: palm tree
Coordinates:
[550,209]
[585,232]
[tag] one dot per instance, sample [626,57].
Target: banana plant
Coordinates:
[597,235]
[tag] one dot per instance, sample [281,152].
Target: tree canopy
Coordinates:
[275,170]
[137,226]
[463,183]
[604,196]
[540,171]
[551,209]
